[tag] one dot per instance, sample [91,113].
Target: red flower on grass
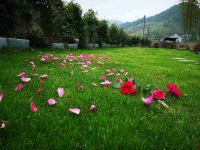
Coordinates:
[158,94]
[127,88]
[174,89]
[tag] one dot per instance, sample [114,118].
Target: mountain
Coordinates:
[165,23]
[117,22]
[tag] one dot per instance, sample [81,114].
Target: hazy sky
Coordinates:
[126,10]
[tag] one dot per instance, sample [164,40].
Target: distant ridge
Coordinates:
[165,23]
[117,22]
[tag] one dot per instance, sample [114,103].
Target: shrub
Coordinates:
[36,38]
[196,47]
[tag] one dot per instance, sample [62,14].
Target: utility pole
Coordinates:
[144,20]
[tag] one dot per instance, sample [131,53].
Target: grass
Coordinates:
[120,122]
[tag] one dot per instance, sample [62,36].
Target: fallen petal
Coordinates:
[1,97]
[106,83]
[92,108]
[107,71]
[148,100]
[121,70]
[44,76]
[39,90]
[74,110]
[102,78]
[164,104]
[79,86]
[94,84]
[33,75]
[52,102]
[21,74]
[60,91]
[24,79]
[3,124]
[33,107]
[19,87]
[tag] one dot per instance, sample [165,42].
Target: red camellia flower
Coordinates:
[127,88]
[174,89]
[158,94]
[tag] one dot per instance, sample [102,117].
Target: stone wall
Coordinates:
[14,43]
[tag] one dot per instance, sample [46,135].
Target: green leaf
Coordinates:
[117,85]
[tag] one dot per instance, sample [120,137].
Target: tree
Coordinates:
[91,25]
[73,16]
[114,34]
[103,32]
[191,18]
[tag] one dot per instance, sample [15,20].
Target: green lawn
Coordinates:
[119,122]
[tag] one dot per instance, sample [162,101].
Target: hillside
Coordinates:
[117,22]
[167,22]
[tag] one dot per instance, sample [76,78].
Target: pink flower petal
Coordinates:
[21,74]
[33,107]
[33,64]
[92,108]
[24,79]
[110,74]
[118,74]
[107,71]
[44,76]
[19,87]
[148,100]
[1,97]
[60,91]
[106,83]
[52,102]
[74,110]
[100,62]
[102,78]
[121,70]
[88,62]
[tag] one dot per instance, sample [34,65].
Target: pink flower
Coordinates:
[21,74]
[148,100]
[92,108]
[44,58]
[60,91]
[19,87]
[24,79]
[106,83]
[52,102]
[174,89]
[33,107]
[1,97]
[158,94]
[74,110]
